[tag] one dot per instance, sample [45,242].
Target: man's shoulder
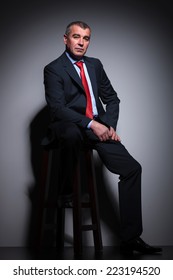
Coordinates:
[93,60]
[55,63]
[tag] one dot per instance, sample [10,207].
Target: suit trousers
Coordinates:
[116,158]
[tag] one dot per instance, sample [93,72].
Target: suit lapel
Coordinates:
[69,68]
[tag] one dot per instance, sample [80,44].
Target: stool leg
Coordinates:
[41,198]
[60,228]
[77,215]
[93,200]
[44,179]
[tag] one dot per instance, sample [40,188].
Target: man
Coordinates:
[76,86]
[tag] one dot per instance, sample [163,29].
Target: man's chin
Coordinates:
[76,56]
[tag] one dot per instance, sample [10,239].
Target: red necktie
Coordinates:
[89,112]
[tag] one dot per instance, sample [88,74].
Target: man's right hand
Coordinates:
[103,132]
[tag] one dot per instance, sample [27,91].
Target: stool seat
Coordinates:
[74,201]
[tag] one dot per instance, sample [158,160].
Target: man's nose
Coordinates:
[80,42]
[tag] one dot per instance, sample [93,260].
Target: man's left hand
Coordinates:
[113,135]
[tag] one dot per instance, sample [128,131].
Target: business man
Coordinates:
[76,86]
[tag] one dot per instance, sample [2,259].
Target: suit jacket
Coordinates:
[65,94]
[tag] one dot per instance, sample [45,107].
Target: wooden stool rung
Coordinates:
[86,205]
[89,227]
[50,227]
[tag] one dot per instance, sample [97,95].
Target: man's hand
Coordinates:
[104,133]
[113,135]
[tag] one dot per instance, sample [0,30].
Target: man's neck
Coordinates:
[76,58]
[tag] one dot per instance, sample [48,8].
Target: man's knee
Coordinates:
[66,134]
[135,167]
[71,135]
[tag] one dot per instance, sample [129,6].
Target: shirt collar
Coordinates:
[71,59]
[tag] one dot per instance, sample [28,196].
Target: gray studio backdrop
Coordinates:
[134,43]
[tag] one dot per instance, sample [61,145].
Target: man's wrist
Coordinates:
[89,125]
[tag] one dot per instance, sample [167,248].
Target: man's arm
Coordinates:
[108,96]
[111,101]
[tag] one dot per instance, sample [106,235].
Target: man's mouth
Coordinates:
[79,50]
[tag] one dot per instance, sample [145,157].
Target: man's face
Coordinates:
[77,41]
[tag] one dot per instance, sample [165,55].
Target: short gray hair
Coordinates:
[79,23]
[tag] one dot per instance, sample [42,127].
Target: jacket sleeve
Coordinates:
[56,99]
[109,98]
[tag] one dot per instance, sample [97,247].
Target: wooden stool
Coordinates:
[77,205]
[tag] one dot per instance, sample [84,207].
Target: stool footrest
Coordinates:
[54,204]
[85,204]
[50,226]
[50,204]
[89,227]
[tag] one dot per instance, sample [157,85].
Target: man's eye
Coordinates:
[76,36]
[86,38]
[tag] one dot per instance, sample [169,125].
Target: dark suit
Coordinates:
[66,100]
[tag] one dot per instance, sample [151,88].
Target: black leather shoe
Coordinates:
[140,246]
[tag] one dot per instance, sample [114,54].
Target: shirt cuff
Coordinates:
[89,125]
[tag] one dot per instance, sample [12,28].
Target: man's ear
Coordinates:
[65,39]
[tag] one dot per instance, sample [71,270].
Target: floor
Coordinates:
[109,253]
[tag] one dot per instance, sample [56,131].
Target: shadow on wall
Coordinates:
[37,131]
[108,214]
